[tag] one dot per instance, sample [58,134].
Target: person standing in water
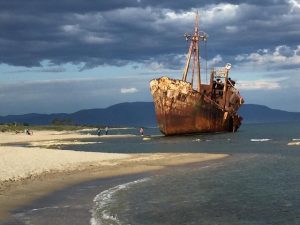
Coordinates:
[106,130]
[99,131]
[142,131]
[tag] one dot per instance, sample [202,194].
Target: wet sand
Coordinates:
[27,174]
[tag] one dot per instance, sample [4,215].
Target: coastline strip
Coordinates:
[29,173]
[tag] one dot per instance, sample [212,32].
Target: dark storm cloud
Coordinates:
[120,32]
[64,6]
[83,6]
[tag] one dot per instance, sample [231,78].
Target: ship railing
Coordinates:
[221,72]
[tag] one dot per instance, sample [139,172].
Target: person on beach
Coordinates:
[99,131]
[142,131]
[106,130]
[28,132]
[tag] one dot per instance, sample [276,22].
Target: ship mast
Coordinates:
[194,52]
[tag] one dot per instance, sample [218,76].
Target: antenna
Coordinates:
[194,51]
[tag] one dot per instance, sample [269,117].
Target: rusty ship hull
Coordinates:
[212,107]
[182,110]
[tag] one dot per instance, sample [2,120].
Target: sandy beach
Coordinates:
[28,173]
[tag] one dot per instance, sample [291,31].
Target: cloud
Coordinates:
[295,4]
[125,32]
[128,90]
[69,95]
[215,61]
[259,85]
[255,36]
[282,56]
[41,70]
[220,13]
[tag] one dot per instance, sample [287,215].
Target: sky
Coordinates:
[68,55]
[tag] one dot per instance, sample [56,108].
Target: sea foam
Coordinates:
[294,143]
[100,213]
[260,140]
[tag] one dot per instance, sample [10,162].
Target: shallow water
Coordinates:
[251,189]
[251,138]
[258,185]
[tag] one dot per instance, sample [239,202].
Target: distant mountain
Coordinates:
[262,114]
[142,114]
[123,114]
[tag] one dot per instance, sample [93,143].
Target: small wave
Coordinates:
[146,139]
[100,214]
[200,140]
[296,139]
[260,140]
[197,140]
[294,143]
[50,207]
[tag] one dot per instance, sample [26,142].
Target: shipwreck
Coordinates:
[182,108]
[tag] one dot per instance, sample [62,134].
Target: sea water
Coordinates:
[250,138]
[258,184]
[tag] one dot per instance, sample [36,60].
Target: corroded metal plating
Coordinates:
[181,110]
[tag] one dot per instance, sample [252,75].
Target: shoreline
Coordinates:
[11,138]
[45,175]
